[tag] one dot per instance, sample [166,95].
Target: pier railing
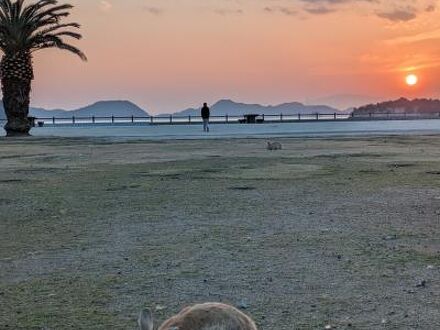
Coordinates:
[224,119]
[185,120]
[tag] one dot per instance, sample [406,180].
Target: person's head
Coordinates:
[205,104]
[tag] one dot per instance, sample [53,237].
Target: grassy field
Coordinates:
[341,232]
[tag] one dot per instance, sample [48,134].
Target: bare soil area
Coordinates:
[341,232]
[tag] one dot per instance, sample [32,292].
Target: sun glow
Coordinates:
[411,80]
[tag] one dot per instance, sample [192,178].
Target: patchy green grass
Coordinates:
[325,232]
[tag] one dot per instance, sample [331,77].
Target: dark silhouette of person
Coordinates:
[206,113]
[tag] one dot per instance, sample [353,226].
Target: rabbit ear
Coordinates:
[145,320]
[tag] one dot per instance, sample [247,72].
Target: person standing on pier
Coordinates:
[206,113]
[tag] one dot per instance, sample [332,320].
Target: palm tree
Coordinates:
[25,29]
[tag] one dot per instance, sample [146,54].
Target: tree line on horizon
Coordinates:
[400,106]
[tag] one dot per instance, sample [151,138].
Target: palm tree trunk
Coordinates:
[16,74]
[16,99]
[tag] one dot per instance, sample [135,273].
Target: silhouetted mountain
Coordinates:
[98,109]
[221,108]
[228,107]
[400,106]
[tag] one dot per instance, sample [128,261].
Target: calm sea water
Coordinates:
[305,129]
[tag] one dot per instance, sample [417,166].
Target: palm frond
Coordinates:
[29,27]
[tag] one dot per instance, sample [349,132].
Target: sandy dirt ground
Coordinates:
[340,233]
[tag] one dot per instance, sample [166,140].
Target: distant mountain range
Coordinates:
[400,106]
[98,109]
[229,107]
[221,108]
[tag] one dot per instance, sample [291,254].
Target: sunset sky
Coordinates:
[166,55]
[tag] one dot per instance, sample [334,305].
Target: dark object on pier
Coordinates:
[251,119]
[40,123]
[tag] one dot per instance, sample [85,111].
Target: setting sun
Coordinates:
[412,80]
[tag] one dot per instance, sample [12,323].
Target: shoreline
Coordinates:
[267,131]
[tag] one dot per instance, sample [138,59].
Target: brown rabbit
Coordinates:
[274,146]
[209,316]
